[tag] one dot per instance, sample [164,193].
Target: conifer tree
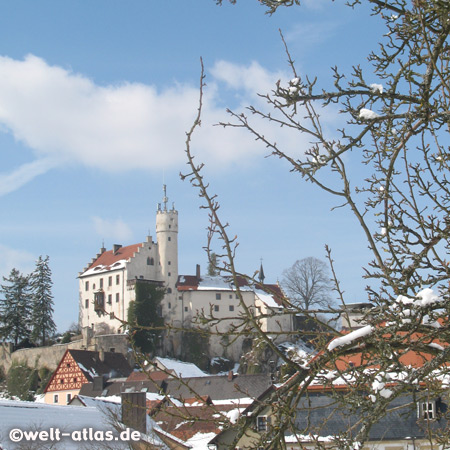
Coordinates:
[15,307]
[42,312]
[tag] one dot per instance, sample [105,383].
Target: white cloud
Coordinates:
[21,260]
[253,79]
[112,229]
[9,182]
[306,36]
[66,118]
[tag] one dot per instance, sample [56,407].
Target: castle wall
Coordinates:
[51,356]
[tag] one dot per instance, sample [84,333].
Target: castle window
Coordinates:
[231,295]
[169,263]
[216,308]
[169,305]
[186,309]
[86,303]
[117,279]
[109,299]
[55,398]
[86,286]
[110,281]
[101,283]
[169,238]
[169,290]
[117,298]
[169,274]
[99,301]
[218,296]
[150,261]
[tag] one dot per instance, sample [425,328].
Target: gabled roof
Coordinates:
[217,387]
[322,413]
[157,375]
[187,421]
[110,260]
[220,387]
[114,365]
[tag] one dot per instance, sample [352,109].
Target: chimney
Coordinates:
[197,271]
[98,384]
[134,411]
[116,248]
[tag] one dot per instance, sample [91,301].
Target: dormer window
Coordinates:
[427,410]
[262,423]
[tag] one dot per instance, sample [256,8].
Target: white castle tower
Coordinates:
[107,283]
[167,238]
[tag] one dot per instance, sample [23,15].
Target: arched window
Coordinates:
[150,261]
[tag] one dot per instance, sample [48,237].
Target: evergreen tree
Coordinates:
[144,316]
[212,265]
[42,312]
[15,307]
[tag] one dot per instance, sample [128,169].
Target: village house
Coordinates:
[78,367]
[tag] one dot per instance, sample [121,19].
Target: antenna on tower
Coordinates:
[165,199]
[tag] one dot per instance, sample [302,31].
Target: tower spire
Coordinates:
[261,273]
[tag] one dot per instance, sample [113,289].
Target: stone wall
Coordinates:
[51,356]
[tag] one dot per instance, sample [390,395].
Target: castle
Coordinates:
[107,286]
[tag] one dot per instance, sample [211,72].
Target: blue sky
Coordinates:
[95,99]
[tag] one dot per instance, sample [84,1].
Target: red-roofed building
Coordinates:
[218,296]
[107,286]
[107,283]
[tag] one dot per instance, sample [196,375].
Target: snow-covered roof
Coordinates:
[270,294]
[267,299]
[111,260]
[180,368]
[30,416]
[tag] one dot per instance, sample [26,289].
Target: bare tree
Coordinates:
[394,117]
[396,120]
[308,283]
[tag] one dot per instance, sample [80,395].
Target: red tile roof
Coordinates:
[108,258]
[146,376]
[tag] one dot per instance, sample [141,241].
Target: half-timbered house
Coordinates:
[78,367]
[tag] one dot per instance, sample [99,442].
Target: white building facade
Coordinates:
[107,286]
